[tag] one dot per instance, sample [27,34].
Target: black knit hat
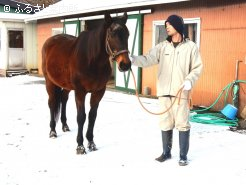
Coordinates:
[177,22]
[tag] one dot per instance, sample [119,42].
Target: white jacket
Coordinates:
[175,65]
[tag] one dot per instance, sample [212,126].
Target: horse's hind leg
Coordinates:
[64,98]
[94,103]
[54,102]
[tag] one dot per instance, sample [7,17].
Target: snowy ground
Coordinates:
[128,139]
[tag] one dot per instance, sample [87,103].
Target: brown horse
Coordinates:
[82,64]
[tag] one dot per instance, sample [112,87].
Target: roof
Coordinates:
[77,7]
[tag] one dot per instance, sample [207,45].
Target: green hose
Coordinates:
[215,118]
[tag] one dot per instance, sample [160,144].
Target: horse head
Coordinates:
[117,41]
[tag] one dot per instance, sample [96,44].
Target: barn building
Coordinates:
[217,26]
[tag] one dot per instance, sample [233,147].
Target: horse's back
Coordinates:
[56,59]
[58,41]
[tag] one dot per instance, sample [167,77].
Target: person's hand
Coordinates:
[187,85]
[131,58]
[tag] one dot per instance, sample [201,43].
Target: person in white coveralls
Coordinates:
[179,65]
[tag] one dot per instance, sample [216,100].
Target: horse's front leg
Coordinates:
[81,117]
[94,103]
[64,99]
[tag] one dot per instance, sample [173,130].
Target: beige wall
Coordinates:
[31,46]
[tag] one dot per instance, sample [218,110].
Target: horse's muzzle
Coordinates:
[124,66]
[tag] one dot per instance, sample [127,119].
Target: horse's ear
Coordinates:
[108,18]
[124,17]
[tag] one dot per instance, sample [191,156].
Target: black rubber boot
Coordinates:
[184,139]
[167,140]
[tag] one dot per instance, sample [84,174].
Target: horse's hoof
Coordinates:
[65,128]
[92,146]
[80,150]
[53,134]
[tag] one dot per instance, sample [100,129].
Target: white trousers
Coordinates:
[177,117]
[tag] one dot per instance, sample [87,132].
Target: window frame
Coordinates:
[196,21]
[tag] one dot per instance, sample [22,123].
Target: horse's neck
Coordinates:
[98,38]
[94,42]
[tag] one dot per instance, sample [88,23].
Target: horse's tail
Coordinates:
[57,104]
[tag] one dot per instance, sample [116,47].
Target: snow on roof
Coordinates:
[13,17]
[73,7]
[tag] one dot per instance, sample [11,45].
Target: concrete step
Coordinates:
[14,72]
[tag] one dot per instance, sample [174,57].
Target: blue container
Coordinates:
[229,111]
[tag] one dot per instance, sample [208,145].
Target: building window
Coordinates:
[15,39]
[191,29]
[71,27]
[56,31]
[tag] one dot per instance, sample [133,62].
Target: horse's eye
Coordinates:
[113,33]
